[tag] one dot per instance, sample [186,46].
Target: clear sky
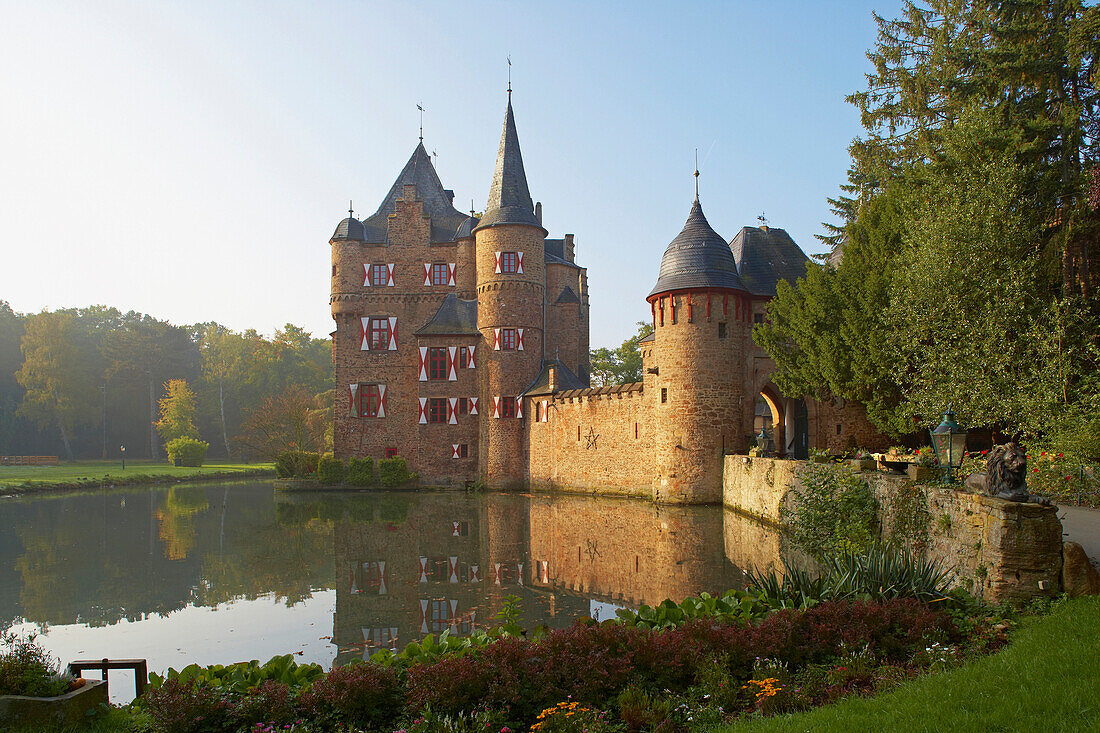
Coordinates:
[191,159]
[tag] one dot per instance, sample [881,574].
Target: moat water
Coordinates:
[219,573]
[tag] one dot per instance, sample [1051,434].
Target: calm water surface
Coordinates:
[223,573]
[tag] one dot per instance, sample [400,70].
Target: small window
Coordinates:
[838,428]
[463,357]
[635,431]
[439,273]
[379,274]
[379,334]
[463,406]
[578,432]
[437,362]
[508,339]
[464,452]
[757,317]
[391,453]
[437,410]
[507,406]
[538,412]
[509,261]
[721,330]
[664,394]
[334,270]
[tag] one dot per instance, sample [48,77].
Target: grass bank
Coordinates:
[89,474]
[1046,679]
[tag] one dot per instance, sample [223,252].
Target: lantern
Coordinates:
[949,442]
[762,440]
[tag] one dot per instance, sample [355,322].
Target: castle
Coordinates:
[462,345]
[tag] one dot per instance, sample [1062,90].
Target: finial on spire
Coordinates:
[472,210]
[509,79]
[763,220]
[421,108]
[697,174]
[351,211]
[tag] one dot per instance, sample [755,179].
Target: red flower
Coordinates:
[1043,453]
[1059,455]
[1035,470]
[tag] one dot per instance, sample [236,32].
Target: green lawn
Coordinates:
[1047,679]
[87,472]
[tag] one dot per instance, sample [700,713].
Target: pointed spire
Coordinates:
[509,198]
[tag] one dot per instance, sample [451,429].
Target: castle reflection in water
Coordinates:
[427,563]
[402,564]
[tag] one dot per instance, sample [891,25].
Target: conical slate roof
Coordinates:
[466,228]
[697,258]
[350,228]
[509,199]
[437,201]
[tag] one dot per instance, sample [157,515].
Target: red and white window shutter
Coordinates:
[423,570]
[496,339]
[364,327]
[519,407]
[389,275]
[496,406]
[454,450]
[471,350]
[423,411]
[393,333]
[452,363]
[451,269]
[497,256]
[519,339]
[472,402]
[545,411]
[452,410]
[423,363]
[366,274]
[381,400]
[353,390]
[427,273]
[519,263]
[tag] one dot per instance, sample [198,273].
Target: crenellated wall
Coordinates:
[998,549]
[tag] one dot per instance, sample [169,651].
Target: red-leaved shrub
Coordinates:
[271,702]
[361,694]
[188,707]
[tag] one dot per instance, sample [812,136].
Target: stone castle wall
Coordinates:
[596,440]
[998,549]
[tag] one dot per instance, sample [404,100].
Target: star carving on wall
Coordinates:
[591,437]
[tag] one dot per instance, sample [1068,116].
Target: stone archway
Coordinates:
[769,414]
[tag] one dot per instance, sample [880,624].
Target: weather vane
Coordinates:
[762,219]
[696,174]
[351,211]
[509,76]
[421,108]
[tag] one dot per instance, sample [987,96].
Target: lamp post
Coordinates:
[123,449]
[949,442]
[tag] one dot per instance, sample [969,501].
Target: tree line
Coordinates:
[968,241]
[80,383]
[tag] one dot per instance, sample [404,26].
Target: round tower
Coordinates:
[511,265]
[702,320]
[347,273]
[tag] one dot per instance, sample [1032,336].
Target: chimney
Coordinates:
[450,194]
[408,192]
[552,373]
[538,212]
[570,254]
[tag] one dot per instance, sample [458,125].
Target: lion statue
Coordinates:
[1006,476]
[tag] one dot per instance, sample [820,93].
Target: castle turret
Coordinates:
[510,253]
[702,320]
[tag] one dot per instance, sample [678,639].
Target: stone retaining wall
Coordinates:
[998,549]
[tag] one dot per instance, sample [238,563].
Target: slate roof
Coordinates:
[437,201]
[566,379]
[651,337]
[552,260]
[454,318]
[509,198]
[567,296]
[697,258]
[350,228]
[466,228]
[766,256]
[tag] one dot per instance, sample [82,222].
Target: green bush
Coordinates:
[296,464]
[835,512]
[393,472]
[27,669]
[190,451]
[330,471]
[360,472]
[243,677]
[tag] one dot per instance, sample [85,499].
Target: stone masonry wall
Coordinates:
[995,548]
[594,441]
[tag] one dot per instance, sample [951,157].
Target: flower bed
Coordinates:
[616,676]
